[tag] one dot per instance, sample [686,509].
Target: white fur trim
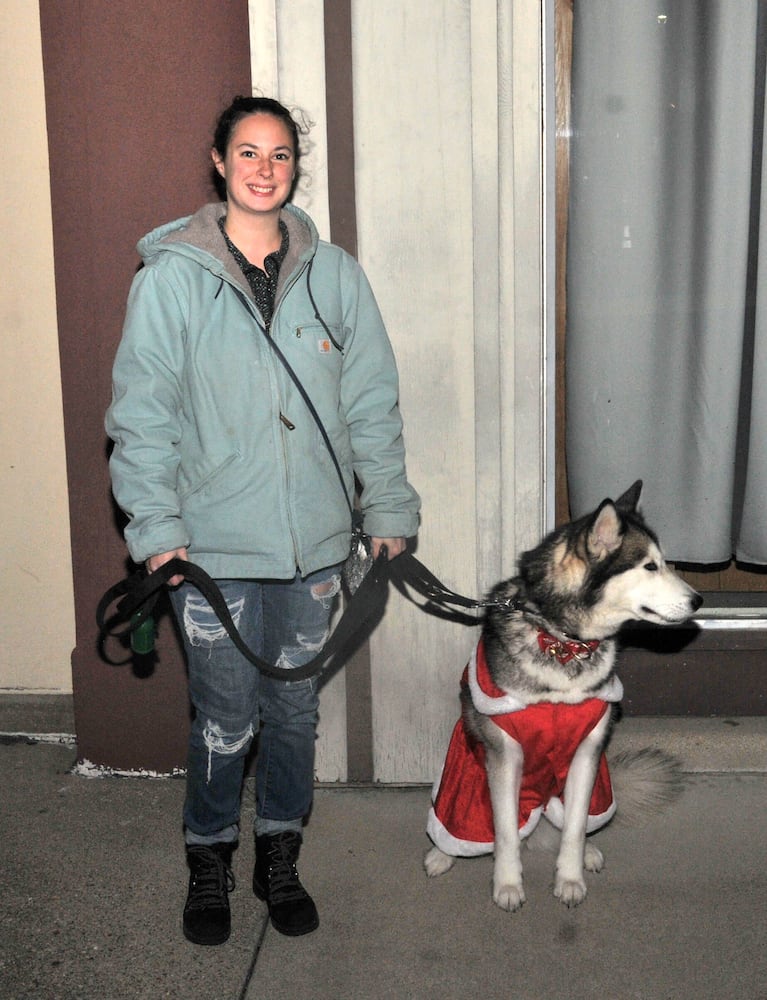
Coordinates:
[451,845]
[611,690]
[485,703]
[456,848]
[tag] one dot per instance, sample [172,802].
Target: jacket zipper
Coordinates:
[288,424]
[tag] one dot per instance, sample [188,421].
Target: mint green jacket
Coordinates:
[214,448]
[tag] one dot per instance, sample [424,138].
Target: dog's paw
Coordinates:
[569,891]
[509,897]
[593,859]
[437,862]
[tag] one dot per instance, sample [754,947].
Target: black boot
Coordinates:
[206,914]
[276,881]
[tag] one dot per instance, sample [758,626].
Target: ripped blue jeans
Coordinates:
[286,623]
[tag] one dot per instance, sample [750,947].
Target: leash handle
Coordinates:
[139,594]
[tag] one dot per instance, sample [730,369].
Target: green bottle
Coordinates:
[142,634]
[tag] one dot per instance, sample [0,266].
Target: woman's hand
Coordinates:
[155,562]
[395,546]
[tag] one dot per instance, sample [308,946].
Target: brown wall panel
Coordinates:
[132,92]
[339,88]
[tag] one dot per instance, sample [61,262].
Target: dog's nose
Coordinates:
[696,600]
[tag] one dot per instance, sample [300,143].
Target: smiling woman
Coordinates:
[216,455]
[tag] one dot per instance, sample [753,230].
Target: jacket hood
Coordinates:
[198,236]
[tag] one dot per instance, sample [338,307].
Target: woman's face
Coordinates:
[259,165]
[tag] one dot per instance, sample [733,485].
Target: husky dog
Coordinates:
[538,698]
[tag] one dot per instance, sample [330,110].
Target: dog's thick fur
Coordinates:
[583,582]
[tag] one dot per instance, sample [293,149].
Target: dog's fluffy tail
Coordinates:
[644,782]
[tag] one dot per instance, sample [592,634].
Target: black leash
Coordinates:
[407,572]
[138,594]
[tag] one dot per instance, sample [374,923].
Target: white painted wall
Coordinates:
[449,182]
[36,599]
[413,108]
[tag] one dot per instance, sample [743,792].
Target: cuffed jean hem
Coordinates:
[229,835]
[270,827]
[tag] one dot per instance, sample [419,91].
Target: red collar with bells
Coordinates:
[565,650]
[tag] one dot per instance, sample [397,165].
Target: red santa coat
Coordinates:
[461,818]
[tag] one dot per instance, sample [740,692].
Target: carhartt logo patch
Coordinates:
[323,346]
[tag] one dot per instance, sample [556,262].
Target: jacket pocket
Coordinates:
[322,339]
[204,480]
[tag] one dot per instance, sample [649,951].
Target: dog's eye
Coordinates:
[651,567]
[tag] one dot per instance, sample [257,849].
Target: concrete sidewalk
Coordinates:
[93,883]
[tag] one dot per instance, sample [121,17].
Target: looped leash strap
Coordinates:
[139,594]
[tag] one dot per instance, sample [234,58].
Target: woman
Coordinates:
[218,459]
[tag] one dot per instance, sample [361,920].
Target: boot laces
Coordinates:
[284,883]
[212,878]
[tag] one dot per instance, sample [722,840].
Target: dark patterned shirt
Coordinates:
[263,284]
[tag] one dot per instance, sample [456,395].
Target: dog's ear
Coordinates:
[605,533]
[629,502]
